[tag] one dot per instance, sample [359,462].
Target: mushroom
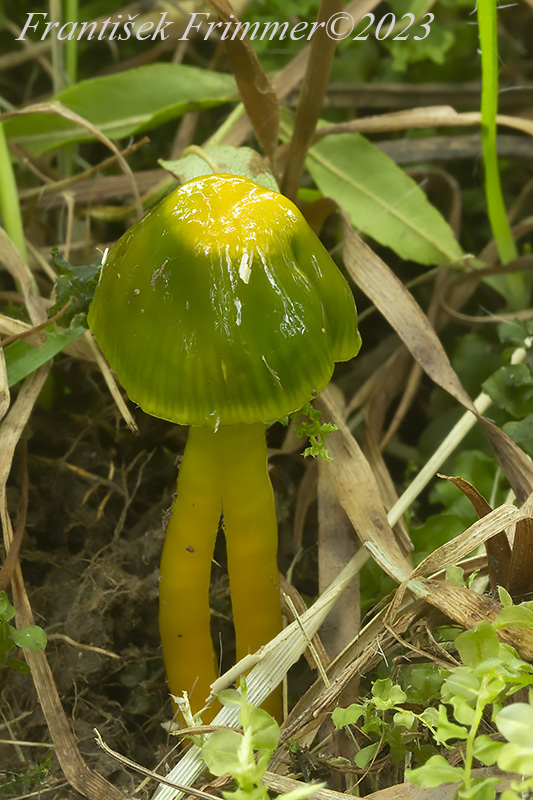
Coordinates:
[222,310]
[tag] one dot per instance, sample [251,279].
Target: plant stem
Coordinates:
[9,201]
[512,286]
[185,573]
[251,531]
[227,469]
[470,739]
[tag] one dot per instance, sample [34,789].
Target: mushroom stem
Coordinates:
[251,531]
[224,470]
[185,572]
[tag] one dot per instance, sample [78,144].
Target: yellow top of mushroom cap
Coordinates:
[231,213]
[221,306]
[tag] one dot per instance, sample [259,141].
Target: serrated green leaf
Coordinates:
[381,199]
[32,637]
[123,104]
[230,160]
[434,772]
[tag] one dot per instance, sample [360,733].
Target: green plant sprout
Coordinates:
[32,637]
[315,430]
[491,672]
[245,756]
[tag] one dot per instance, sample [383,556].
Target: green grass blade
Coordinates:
[511,286]
[9,201]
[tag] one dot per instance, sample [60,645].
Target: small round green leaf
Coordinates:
[32,637]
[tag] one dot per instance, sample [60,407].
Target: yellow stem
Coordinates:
[184,617]
[225,469]
[251,531]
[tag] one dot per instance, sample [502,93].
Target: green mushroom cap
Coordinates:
[222,307]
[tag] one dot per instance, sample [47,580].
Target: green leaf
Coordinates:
[514,616]
[516,758]
[448,730]
[504,597]
[347,716]
[481,789]
[221,752]
[521,431]
[433,773]
[123,104]
[386,694]
[264,729]
[20,666]
[78,283]
[511,388]
[32,637]
[462,711]
[365,755]
[405,719]
[7,611]
[381,199]
[301,792]
[487,750]
[221,158]
[515,722]
[479,645]
[230,698]
[461,683]
[22,358]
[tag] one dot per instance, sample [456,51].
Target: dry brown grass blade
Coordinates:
[404,314]
[406,791]
[520,580]
[257,93]
[312,93]
[452,552]
[337,543]
[468,608]
[13,262]
[5,397]
[289,77]
[431,116]
[88,783]
[358,492]
[60,110]
[498,548]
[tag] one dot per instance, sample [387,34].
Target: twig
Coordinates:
[149,774]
